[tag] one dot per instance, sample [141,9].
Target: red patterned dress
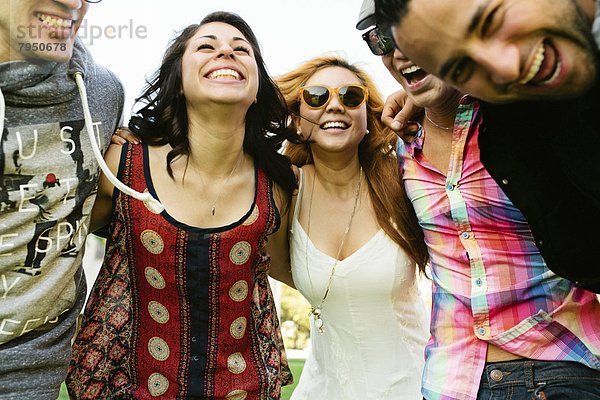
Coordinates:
[179,312]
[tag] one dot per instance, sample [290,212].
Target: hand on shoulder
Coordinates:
[123,135]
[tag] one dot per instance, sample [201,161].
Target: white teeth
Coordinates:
[555,74]
[54,22]
[224,73]
[535,65]
[334,124]
[410,70]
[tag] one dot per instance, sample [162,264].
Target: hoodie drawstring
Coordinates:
[153,205]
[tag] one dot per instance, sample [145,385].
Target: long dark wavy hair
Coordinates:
[393,209]
[162,118]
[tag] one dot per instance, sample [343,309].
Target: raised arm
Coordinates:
[278,244]
[102,211]
[398,110]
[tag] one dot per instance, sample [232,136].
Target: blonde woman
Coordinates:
[355,244]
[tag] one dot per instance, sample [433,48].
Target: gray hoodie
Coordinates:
[48,178]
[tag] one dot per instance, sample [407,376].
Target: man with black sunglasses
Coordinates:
[487,268]
[524,144]
[48,177]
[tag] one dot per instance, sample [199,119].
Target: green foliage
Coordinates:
[295,326]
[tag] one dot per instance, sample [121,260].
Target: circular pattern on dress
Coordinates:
[238,327]
[157,384]
[239,291]
[158,348]
[152,241]
[253,217]
[236,363]
[158,312]
[237,395]
[154,278]
[240,252]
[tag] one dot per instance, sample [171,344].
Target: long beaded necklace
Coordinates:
[315,311]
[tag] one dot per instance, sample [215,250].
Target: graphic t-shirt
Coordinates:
[48,178]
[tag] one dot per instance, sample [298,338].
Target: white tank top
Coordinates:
[376,324]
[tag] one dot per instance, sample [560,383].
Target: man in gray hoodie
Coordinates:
[48,177]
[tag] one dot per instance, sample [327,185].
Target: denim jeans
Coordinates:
[539,380]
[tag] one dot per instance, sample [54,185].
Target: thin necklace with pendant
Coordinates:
[316,311]
[213,207]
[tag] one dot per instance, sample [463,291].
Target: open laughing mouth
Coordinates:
[334,125]
[544,66]
[53,21]
[225,74]
[413,74]
[57,26]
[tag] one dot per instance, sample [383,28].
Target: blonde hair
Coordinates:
[376,154]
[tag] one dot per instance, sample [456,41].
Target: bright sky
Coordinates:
[289,32]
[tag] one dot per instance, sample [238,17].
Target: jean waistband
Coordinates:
[531,372]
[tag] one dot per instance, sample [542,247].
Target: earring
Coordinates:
[367,132]
[299,132]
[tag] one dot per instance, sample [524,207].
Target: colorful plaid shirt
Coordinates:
[490,283]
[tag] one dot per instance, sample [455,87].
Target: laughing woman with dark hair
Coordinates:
[182,306]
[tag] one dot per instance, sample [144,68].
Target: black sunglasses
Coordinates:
[351,96]
[379,43]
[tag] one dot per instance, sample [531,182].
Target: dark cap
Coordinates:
[366,16]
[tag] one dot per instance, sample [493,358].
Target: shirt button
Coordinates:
[465,235]
[496,375]
[478,282]
[450,187]
[481,331]
[195,358]
[193,338]
[505,181]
